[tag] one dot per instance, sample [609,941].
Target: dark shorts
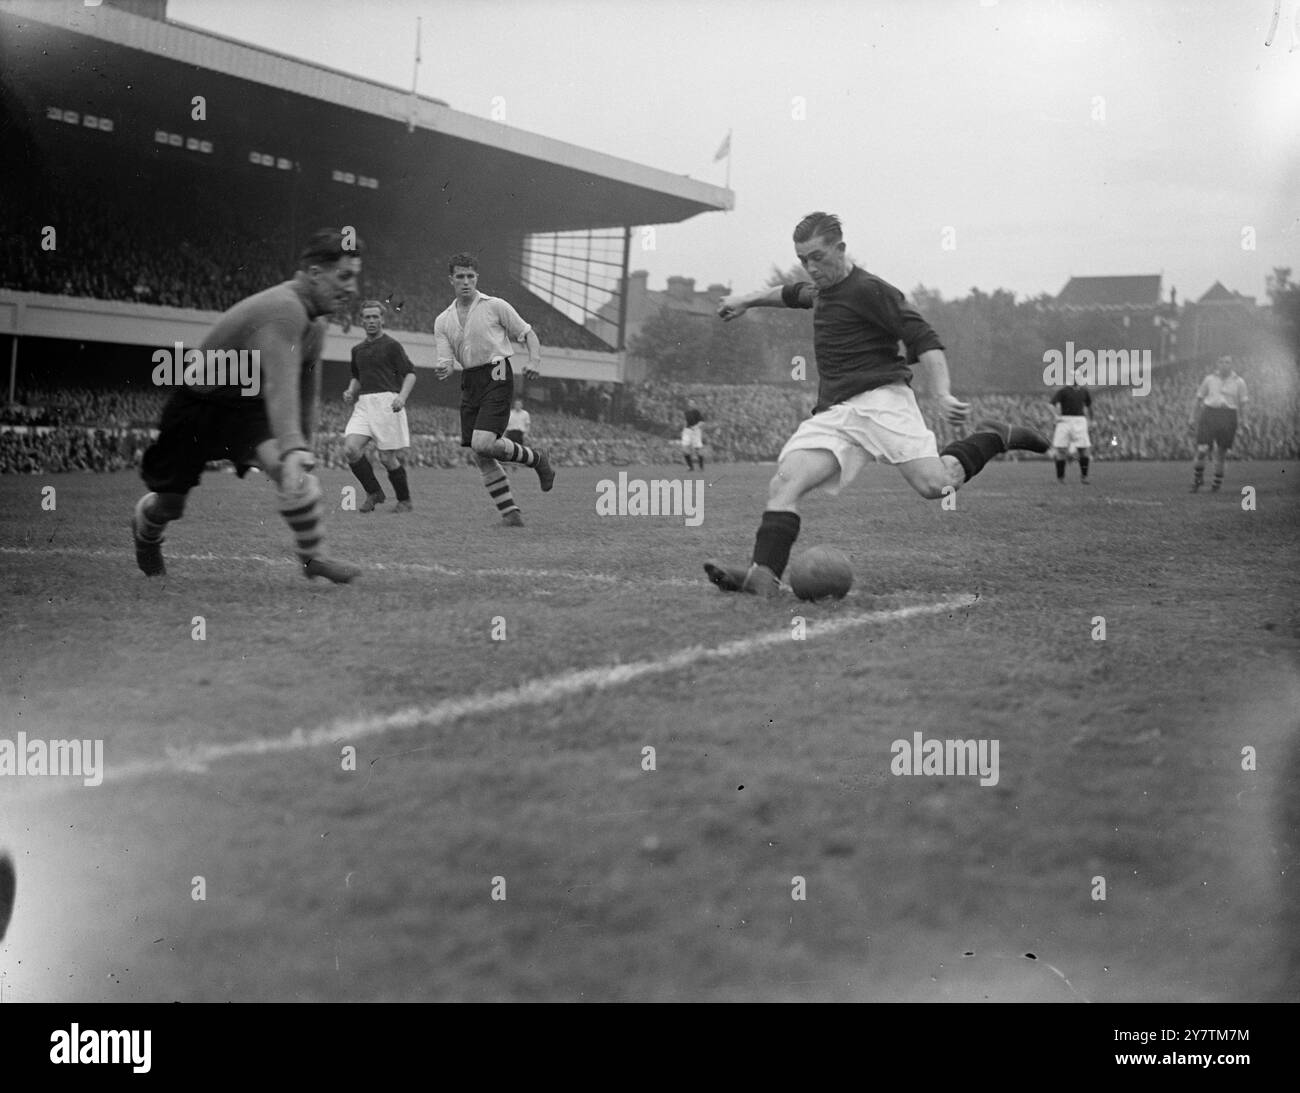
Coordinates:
[196,431]
[484,401]
[1218,425]
[516,435]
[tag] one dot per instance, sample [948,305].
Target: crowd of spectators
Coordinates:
[193,256]
[63,429]
[752,422]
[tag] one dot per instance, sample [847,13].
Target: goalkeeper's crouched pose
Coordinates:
[253,417]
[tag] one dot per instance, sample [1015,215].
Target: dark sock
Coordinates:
[1083,466]
[520,454]
[365,475]
[1060,469]
[397,476]
[700,458]
[777,532]
[973,452]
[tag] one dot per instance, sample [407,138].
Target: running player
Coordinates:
[475,333]
[693,439]
[1073,408]
[865,403]
[1218,411]
[382,378]
[284,327]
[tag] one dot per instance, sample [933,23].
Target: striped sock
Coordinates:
[1198,471]
[304,517]
[1218,476]
[520,454]
[498,487]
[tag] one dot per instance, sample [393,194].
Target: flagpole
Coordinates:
[415,77]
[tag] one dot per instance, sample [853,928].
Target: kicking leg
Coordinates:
[799,472]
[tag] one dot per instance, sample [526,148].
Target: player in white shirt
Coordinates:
[1217,413]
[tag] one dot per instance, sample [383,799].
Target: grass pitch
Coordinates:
[516,767]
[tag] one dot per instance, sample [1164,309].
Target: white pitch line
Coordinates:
[533,693]
[580,576]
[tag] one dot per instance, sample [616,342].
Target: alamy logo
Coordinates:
[181,367]
[1104,368]
[78,1045]
[657,497]
[82,759]
[946,757]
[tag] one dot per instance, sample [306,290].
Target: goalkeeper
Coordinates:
[259,424]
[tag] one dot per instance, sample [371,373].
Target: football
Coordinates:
[820,573]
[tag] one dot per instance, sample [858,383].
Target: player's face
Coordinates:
[333,286]
[826,263]
[1225,367]
[464,280]
[372,320]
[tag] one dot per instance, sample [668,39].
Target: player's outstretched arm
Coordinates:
[732,307]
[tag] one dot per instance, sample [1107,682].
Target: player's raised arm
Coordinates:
[732,307]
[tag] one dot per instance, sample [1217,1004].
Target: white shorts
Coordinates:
[693,437]
[885,423]
[1071,432]
[373,417]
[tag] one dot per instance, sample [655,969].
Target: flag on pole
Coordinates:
[724,149]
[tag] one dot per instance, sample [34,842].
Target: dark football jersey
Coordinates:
[1072,401]
[380,365]
[857,325]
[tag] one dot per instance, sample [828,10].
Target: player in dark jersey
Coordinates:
[865,402]
[382,378]
[1073,408]
[283,328]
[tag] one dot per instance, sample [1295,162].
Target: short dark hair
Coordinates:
[466,260]
[824,225]
[326,247]
[374,303]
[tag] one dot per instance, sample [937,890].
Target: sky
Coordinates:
[964,143]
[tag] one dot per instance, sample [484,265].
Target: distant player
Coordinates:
[475,334]
[1073,408]
[693,439]
[285,326]
[519,422]
[382,378]
[1217,412]
[865,404]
